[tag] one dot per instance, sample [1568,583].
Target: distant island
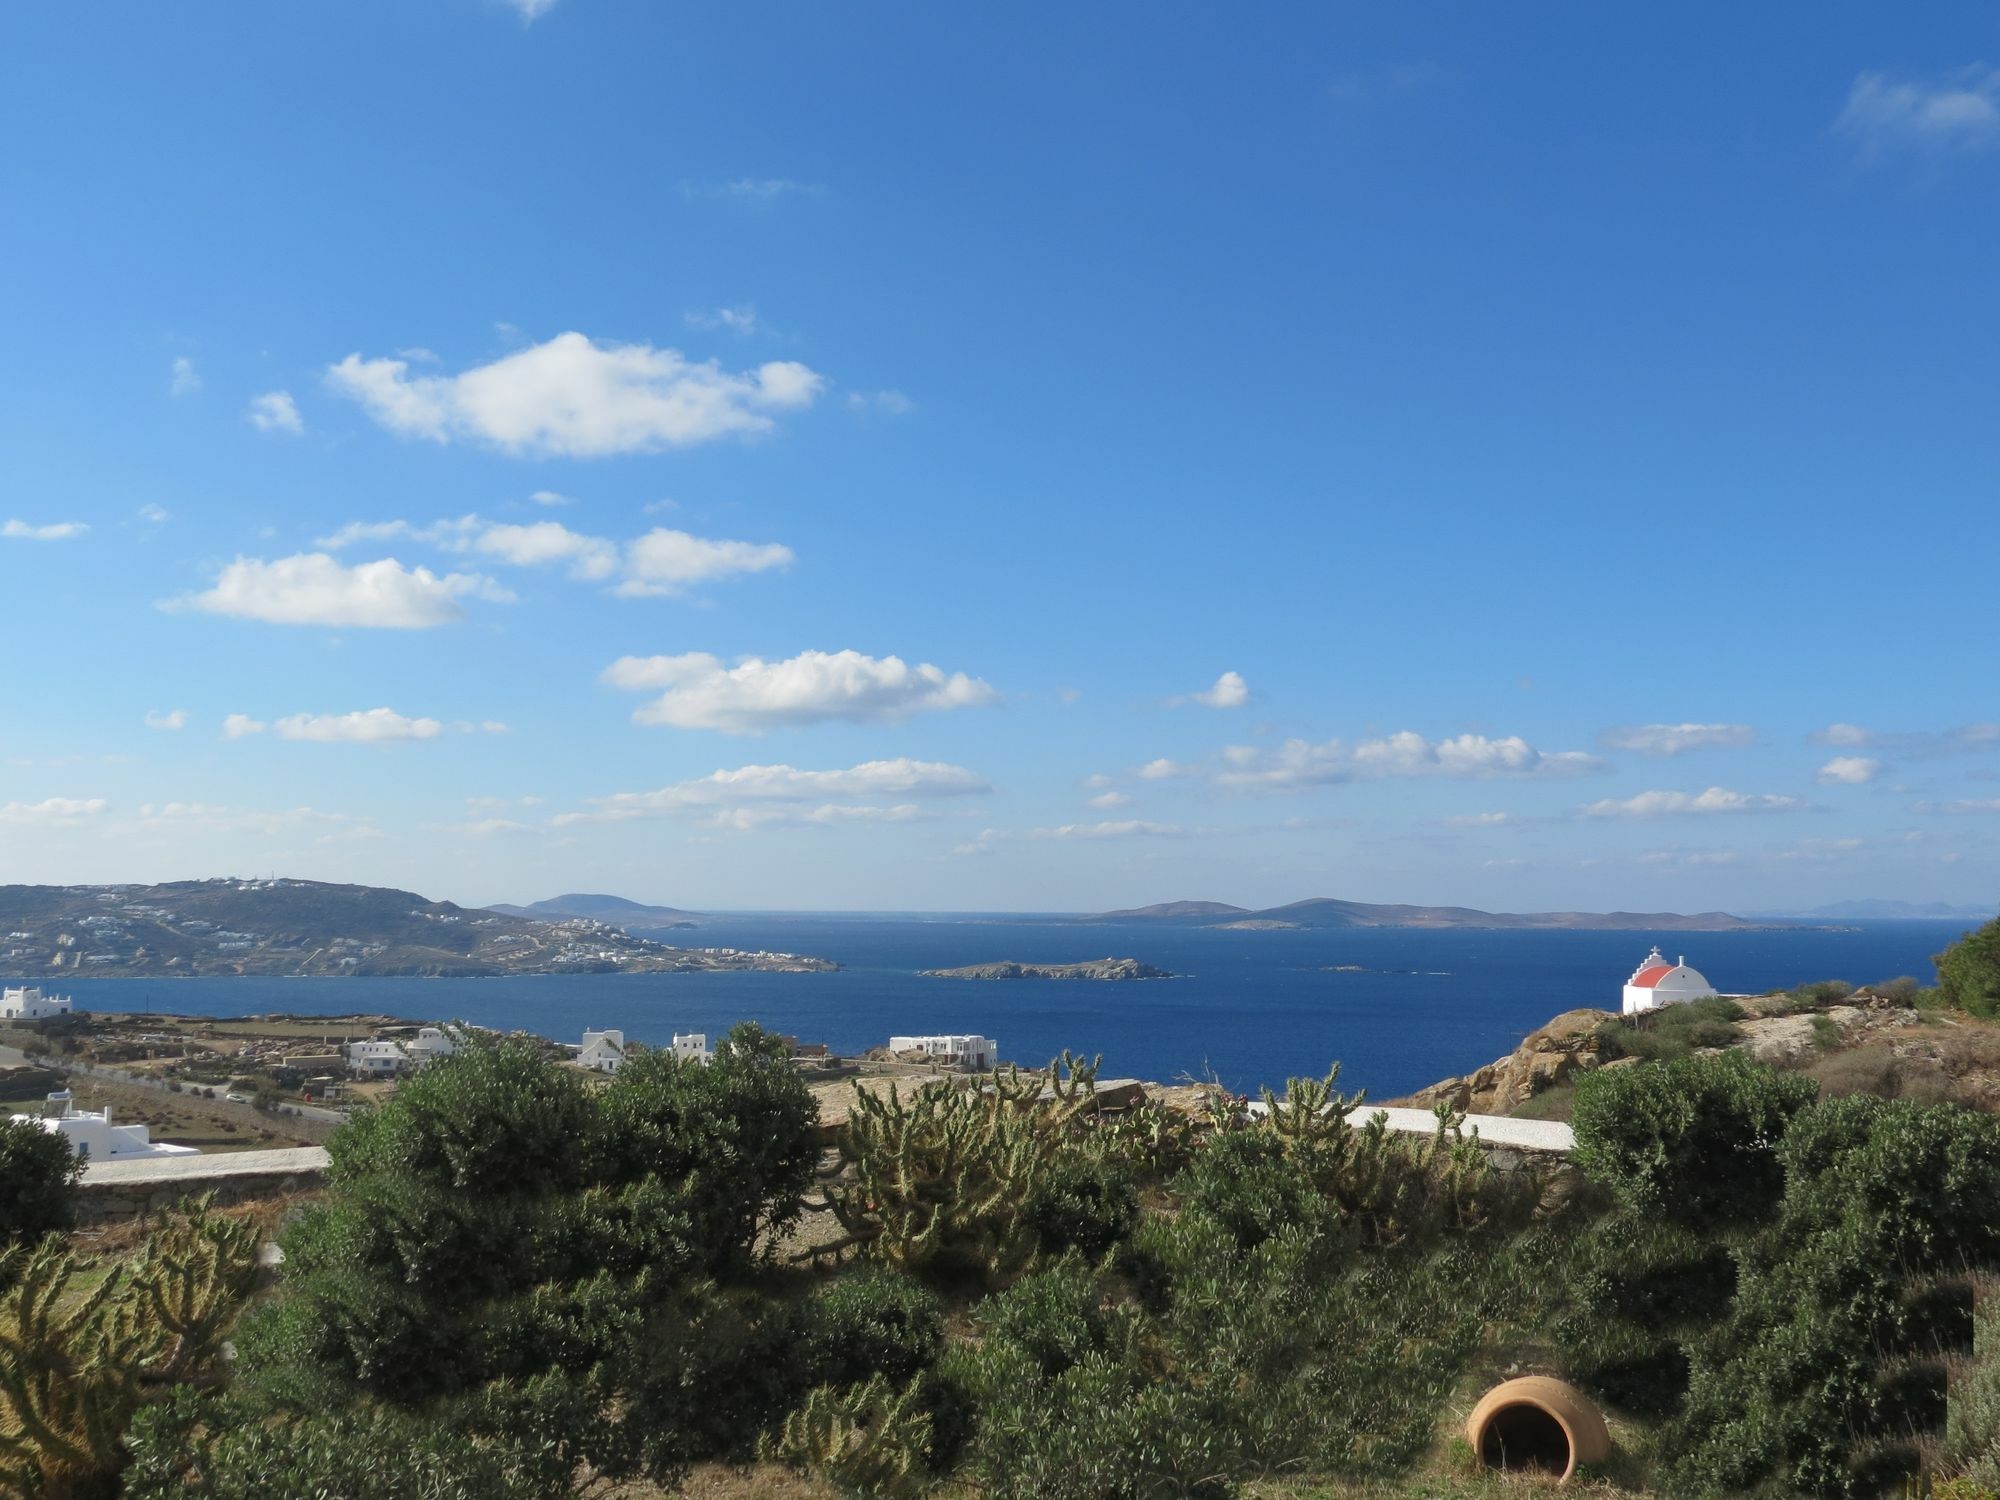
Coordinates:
[277,928]
[1097,968]
[1894,911]
[615,910]
[1325,912]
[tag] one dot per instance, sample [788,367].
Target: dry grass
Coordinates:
[186,1119]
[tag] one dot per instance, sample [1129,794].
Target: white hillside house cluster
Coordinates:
[981,1052]
[386,1059]
[31,1005]
[93,1137]
[1656,982]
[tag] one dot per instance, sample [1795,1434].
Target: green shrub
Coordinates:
[1246,1182]
[739,1136]
[873,1322]
[198,1448]
[1693,1140]
[1969,972]
[1087,1204]
[1830,1362]
[38,1177]
[1671,1031]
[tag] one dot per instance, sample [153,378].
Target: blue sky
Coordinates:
[893,457]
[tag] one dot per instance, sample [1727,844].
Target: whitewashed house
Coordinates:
[980,1052]
[31,1005]
[386,1059]
[602,1051]
[1656,983]
[693,1047]
[376,1059]
[431,1044]
[93,1137]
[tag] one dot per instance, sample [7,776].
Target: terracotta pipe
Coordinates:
[1537,1422]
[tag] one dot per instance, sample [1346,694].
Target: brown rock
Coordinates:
[1546,1059]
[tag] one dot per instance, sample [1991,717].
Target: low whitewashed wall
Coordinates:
[114,1191]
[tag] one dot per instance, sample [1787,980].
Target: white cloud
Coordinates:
[550,497]
[184,379]
[543,542]
[1299,763]
[1163,770]
[1676,739]
[55,531]
[1920,742]
[236,726]
[1715,800]
[1482,820]
[1849,770]
[1109,801]
[175,718]
[1129,828]
[312,588]
[1967,805]
[810,688]
[577,398]
[740,319]
[664,561]
[751,795]
[53,812]
[891,403]
[155,514]
[1228,691]
[275,411]
[373,726]
[1959,110]
[529,10]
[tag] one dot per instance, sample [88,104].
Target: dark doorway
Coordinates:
[1524,1439]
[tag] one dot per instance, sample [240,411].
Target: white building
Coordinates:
[431,1044]
[693,1047]
[957,1051]
[603,1051]
[31,1005]
[376,1059]
[1656,982]
[385,1059]
[93,1137]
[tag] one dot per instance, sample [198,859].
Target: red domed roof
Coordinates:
[1652,974]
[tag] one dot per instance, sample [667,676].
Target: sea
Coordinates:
[1397,1008]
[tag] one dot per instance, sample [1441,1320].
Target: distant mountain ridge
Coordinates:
[616,910]
[311,927]
[1896,911]
[1324,911]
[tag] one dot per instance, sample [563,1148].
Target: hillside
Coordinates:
[616,910]
[1322,911]
[307,927]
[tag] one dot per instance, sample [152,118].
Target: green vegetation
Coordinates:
[519,1287]
[38,1177]
[1969,972]
[1672,1031]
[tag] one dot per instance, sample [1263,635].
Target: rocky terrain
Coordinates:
[1868,1042]
[1097,968]
[307,927]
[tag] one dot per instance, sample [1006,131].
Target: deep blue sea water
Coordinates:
[1255,1007]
